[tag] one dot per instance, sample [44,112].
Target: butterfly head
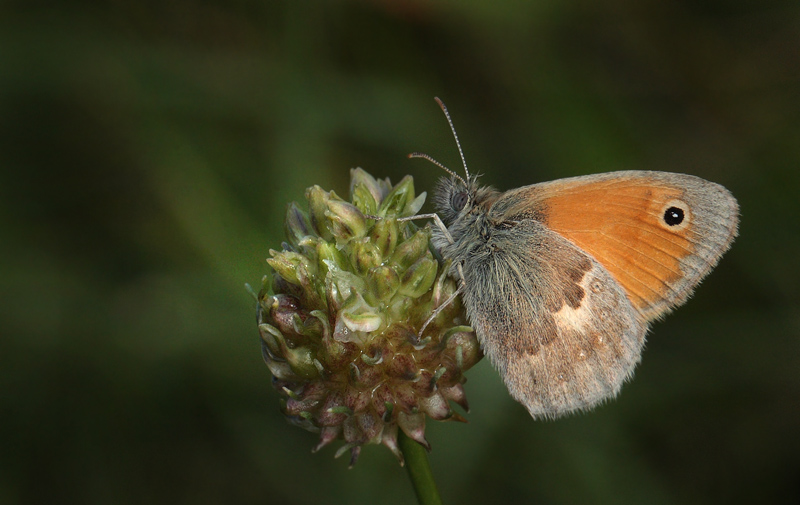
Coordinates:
[456,197]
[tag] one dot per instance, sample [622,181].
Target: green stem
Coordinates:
[419,470]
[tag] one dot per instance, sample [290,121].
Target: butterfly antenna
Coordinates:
[427,157]
[455,136]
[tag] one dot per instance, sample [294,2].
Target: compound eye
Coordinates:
[459,200]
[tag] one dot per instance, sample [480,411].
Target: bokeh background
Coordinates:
[148,151]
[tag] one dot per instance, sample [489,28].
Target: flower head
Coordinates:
[340,319]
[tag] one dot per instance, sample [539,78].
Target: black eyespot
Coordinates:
[673,216]
[459,200]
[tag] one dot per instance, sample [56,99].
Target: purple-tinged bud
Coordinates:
[385,235]
[345,220]
[297,225]
[413,425]
[318,206]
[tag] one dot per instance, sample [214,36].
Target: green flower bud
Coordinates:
[414,205]
[419,278]
[329,254]
[364,201]
[342,285]
[398,198]
[289,264]
[318,206]
[270,337]
[385,235]
[378,189]
[412,249]
[302,361]
[383,282]
[366,255]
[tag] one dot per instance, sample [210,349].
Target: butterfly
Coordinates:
[561,279]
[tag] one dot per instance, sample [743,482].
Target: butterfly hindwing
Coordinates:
[552,320]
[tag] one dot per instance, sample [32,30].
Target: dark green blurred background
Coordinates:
[148,150]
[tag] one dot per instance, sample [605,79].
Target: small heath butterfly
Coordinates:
[560,280]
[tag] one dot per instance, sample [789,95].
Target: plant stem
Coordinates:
[419,470]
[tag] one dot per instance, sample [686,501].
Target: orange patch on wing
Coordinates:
[620,223]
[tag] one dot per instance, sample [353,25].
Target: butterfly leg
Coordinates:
[441,307]
[436,219]
[440,224]
[461,284]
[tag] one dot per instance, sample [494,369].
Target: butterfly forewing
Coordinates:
[658,234]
